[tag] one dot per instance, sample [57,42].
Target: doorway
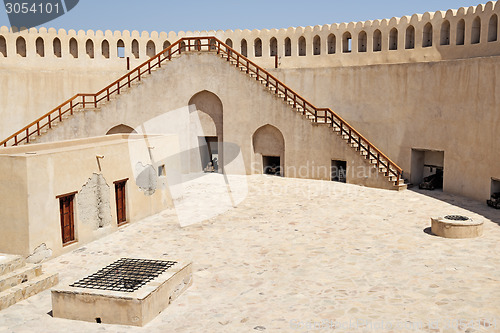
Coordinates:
[427,168]
[121,206]
[67,218]
[209,152]
[338,171]
[494,200]
[495,186]
[269,149]
[271,165]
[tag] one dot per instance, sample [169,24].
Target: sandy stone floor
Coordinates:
[298,253]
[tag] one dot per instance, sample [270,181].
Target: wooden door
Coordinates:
[67,218]
[121,212]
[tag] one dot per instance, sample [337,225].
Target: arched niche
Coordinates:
[269,150]
[120,129]
[207,107]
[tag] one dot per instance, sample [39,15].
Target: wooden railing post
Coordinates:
[118,87]
[257,72]
[71,107]
[378,162]
[28,135]
[159,61]
[50,122]
[149,67]
[294,101]
[83,101]
[350,136]
[107,90]
[267,80]
[315,115]
[139,73]
[60,115]
[95,101]
[238,60]
[128,82]
[286,94]
[38,127]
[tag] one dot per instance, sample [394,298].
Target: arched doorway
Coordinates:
[120,129]
[207,107]
[269,149]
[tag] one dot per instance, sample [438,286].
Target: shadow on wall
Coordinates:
[477,207]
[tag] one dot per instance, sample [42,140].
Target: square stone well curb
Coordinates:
[123,308]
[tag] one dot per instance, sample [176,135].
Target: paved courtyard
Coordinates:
[303,256]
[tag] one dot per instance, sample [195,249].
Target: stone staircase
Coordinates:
[20,280]
[318,116]
[101,105]
[352,140]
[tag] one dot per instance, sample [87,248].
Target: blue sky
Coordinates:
[167,15]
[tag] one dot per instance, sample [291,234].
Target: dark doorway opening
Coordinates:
[339,171]
[495,185]
[494,200]
[271,165]
[427,169]
[209,151]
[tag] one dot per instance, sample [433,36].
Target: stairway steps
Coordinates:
[27,289]
[9,263]
[20,275]
[243,68]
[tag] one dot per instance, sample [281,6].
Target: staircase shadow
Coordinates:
[475,206]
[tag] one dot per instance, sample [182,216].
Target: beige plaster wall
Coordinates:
[13,205]
[28,93]
[45,171]
[449,106]
[247,106]
[34,84]
[379,92]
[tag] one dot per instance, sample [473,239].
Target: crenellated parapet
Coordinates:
[454,34]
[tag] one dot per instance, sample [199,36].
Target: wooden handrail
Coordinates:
[212,44]
[260,72]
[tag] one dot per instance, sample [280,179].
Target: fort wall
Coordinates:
[454,34]
[449,106]
[426,81]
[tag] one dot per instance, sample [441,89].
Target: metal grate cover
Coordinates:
[456,217]
[125,275]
